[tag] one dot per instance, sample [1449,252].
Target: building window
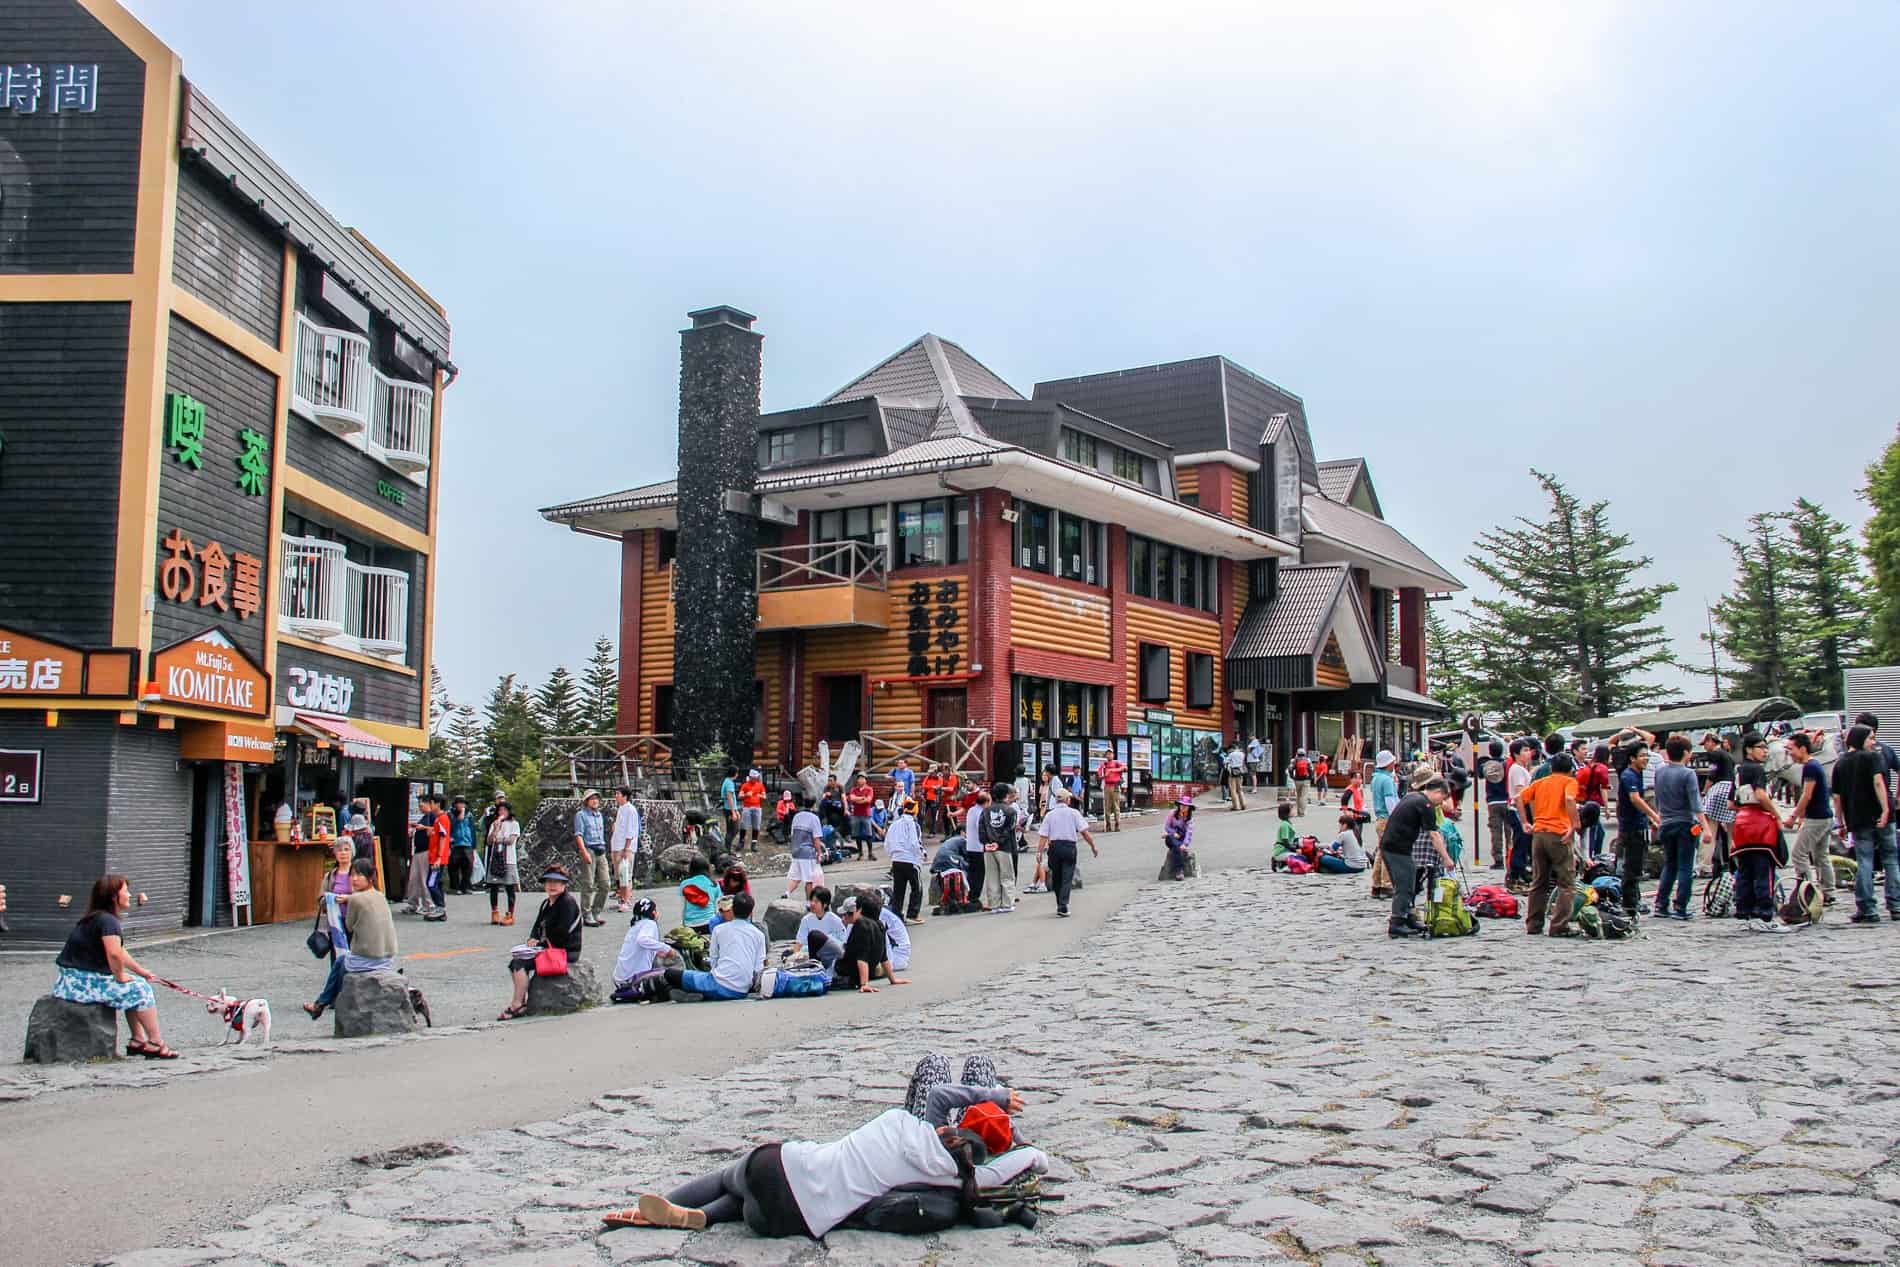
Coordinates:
[663,709]
[1078,448]
[932,532]
[780,446]
[758,715]
[668,547]
[1128,465]
[1061,544]
[1191,499]
[830,438]
[863,524]
[1047,708]
[1200,680]
[1173,575]
[1155,671]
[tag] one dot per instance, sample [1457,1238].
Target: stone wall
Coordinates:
[549,836]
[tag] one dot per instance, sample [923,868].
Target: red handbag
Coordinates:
[551,962]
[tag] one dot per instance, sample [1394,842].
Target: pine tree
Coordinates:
[1756,620]
[440,705]
[1825,586]
[600,690]
[1882,537]
[558,705]
[511,733]
[1573,630]
[465,745]
[1447,665]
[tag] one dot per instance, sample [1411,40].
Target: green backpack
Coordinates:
[1445,913]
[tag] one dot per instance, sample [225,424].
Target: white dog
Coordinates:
[242,1018]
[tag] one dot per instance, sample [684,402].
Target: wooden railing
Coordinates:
[823,563]
[965,749]
[576,762]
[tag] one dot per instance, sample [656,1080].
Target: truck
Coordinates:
[1876,690]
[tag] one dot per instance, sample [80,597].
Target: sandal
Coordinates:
[135,1047]
[160,1052]
[510,1013]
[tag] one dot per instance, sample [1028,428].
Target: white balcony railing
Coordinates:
[314,580]
[377,615]
[399,431]
[331,379]
[328,598]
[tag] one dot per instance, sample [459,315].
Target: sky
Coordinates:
[1648,248]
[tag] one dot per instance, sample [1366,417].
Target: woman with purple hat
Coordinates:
[1177,833]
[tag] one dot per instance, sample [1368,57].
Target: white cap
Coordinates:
[1385,758]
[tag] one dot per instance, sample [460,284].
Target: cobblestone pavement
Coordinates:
[1243,1069]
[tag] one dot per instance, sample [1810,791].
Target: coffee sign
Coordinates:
[208,671]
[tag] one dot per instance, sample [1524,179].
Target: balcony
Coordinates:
[399,429]
[331,378]
[826,585]
[328,598]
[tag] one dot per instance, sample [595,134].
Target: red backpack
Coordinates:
[1492,902]
[1302,769]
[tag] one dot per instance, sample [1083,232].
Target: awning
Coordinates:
[354,740]
[1721,715]
[1402,700]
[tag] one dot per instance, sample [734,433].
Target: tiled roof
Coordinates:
[1371,535]
[1336,478]
[907,425]
[926,368]
[973,378]
[663,493]
[1294,621]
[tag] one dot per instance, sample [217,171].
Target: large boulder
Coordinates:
[373,1003]
[677,863]
[781,918]
[557,996]
[59,1032]
[860,891]
[1192,870]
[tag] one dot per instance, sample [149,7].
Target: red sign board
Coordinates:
[208,671]
[33,666]
[19,776]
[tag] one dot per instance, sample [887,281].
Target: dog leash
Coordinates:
[182,990]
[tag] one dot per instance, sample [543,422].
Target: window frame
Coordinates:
[1081,448]
[830,439]
[1143,687]
[954,526]
[1200,673]
[787,437]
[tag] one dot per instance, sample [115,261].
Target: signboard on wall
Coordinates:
[19,776]
[208,671]
[31,666]
[321,692]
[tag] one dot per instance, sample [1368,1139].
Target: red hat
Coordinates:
[991,1125]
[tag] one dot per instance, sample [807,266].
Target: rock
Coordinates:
[677,863]
[557,996]
[781,918]
[373,1003]
[1193,868]
[59,1032]
[840,892]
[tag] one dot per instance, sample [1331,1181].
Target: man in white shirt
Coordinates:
[1236,765]
[625,840]
[904,842]
[737,953]
[820,932]
[1062,827]
[974,861]
[1256,761]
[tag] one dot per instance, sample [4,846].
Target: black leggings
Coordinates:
[494,896]
[907,891]
[754,1189]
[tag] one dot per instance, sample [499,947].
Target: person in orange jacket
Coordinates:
[438,825]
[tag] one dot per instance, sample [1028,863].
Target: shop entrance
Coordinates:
[841,706]
[948,710]
[207,835]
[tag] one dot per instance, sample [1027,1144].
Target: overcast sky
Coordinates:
[1649,247]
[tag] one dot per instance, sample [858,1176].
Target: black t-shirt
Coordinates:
[85,945]
[1715,766]
[1854,776]
[1411,817]
[863,944]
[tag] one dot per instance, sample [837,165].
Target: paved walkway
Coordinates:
[1243,1069]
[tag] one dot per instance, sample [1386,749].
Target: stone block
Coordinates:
[373,1003]
[557,996]
[59,1032]
[677,863]
[781,918]
[1192,870]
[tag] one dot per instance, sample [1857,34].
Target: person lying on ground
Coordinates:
[1345,855]
[866,952]
[737,954]
[800,1188]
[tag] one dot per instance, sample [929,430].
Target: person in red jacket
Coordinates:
[438,825]
[857,802]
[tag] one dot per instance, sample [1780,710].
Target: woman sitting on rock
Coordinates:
[557,926]
[799,1188]
[95,967]
[1177,833]
[368,941]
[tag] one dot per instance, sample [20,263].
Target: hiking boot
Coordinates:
[1863,917]
[1565,933]
[508,919]
[494,917]
[1403,930]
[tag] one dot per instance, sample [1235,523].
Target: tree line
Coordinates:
[499,748]
[1573,631]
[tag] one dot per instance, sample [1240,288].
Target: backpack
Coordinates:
[955,893]
[912,1210]
[1609,890]
[1445,913]
[1302,769]
[1492,771]
[1846,870]
[1617,922]
[1296,864]
[1805,904]
[1590,922]
[783,983]
[1492,902]
[1718,895]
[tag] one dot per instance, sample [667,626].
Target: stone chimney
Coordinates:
[715,579]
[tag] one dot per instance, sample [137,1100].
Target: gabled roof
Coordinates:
[1370,535]
[1295,620]
[1338,478]
[927,379]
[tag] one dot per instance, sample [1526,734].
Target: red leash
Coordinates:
[182,990]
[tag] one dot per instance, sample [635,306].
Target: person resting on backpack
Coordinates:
[1345,855]
[950,858]
[1286,839]
[800,1188]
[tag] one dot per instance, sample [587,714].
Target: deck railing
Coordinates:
[965,749]
[822,563]
[332,380]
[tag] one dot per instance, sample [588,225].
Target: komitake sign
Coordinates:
[208,671]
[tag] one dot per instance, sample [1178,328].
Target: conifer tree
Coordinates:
[1754,622]
[1573,629]
[600,690]
[1826,585]
[511,732]
[1447,664]
[1882,541]
[559,705]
